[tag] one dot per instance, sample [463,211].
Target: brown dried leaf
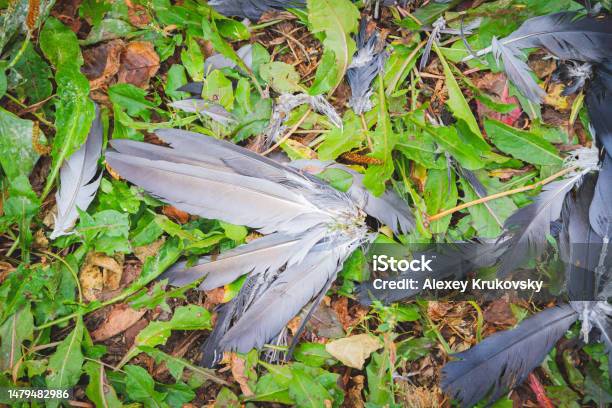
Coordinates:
[102,63]
[139,63]
[100,272]
[121,318]
[354,350]
[238,367]
[145,251]
[174,213]
[353,397]
[499,313]
[137,14]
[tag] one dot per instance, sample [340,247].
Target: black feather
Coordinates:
[600,212]
[504,360]
[598,100]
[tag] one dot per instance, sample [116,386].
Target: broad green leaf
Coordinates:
[74,111]
[448,138]
[327,72]
[18,140]
[338,19]
[218,88]
[13,19]
[306,391]
[456,101]
[523,145]
[99,390]
[13,332]
[227,399]
[189,317]
[22,204]
[131,98]
[108,29]
[107,231]
[233,30]
[312,354]
[341,140]
[380,392]
[167,256]
[337,178]
[440,194]
[176,79]
[282,77]
[177,365]
[30,76]
[140,386]
[193,60]
[65,364]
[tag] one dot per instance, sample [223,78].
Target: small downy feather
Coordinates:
[518,71]
[252,9]
[434,37]
[525,231]
[78,181]
[368,62]
[504,360]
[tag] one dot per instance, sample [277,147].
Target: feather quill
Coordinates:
[78,181]
[504,360]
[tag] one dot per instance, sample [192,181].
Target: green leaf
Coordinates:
[312,354]
[282,77]
[167,256]
[131,98]
[306,391]
[189,317]
[338,19]
[30,76]
[65,364]
[341,140]
[193,59]
[17,153]
[212,34]
[176,365]
[440,194]
[99,390]
[380,392]
[176,79]
[21,206]
[107,231]
[227,399]
[523,145]
[108,29]
[60,45]
[13,332]
[140,386]
[337,178]
[456,101]
[325,77]
[218,88]
[448,138]
[384,140]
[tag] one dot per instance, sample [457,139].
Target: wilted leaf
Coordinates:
[120,318]
[354,350]
[139,63]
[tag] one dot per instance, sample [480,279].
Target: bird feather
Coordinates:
[600,212]
[252,9]
[78,181]
[504,360]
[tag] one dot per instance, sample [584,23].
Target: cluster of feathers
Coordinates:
[310,228]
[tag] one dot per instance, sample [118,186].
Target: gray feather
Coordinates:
[367,63]
[600,212]
[252,9]
[291,291]
[213,110]
[525,231]
[518,71]
[78,181]
[598,100]
[503,360]
[270,252]
[220,195]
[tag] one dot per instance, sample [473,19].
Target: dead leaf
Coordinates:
[499,313]
[325,322]
[100,272]
[174,213]
[354,398]
[145,251]
[238,372]
[121,318]
[139,63]
[555,99]
[102,63]
[137,14]
[354,350]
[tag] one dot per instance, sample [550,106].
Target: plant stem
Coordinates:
[502,194]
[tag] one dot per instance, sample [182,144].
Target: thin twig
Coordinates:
[502,194]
